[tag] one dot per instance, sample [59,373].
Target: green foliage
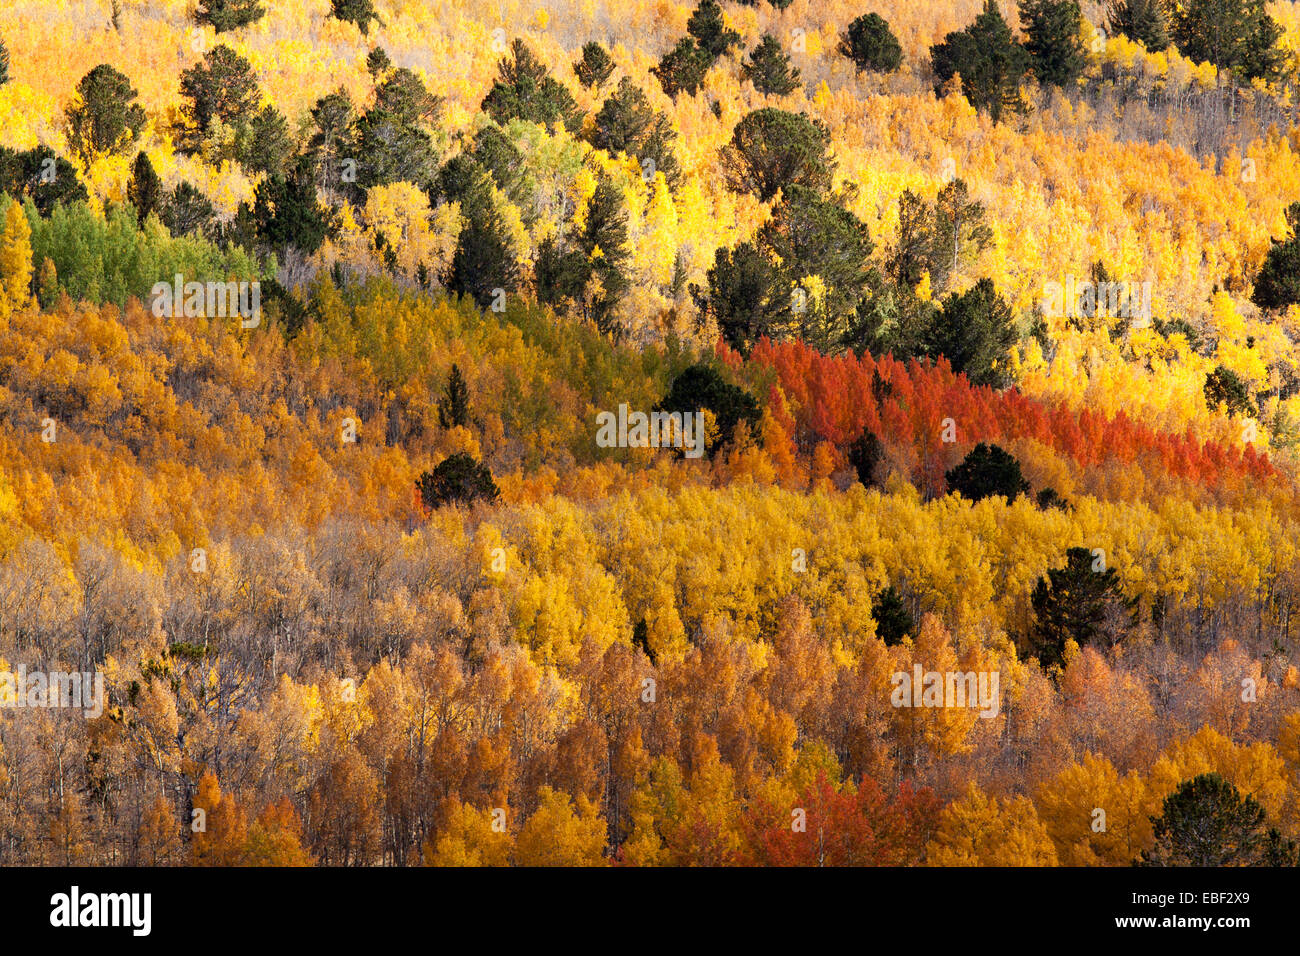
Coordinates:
[109,259]
[865,455]
[987,470]
[641,640]
[700,387]
[871,45]
[1081,602]
[893,620]
[913,254]
[988,58]
[806,274]
[974,331]
[360,12]
[625,123]
[745,296]
[1142,20]
[485,261]
[404,338]
[187,211]
[221,91]
[1053,40]
[1279,850]
[331,148]
[4,63]
[622,120]
[459,479]
[1225,388]
[810,236]
[1208,822]
[603,242]
[42,176]
[937,239]
[576,274]
[1235,35]
[960,233]
[393,142]
[771,150]
[497,154]
[144,190]
[525,90]
[457,178]
[594,67]
[378,63]
[453,406]
[709,30]
[1278,283]
[769,69]
[403,94]
[226,15]
[682,69]
[269,143]
[105,117]
[287,213]
[1049,498]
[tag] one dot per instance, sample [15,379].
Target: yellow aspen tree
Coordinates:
[15,260]
[980,830]
[561,832]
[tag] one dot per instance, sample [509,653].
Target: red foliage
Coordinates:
[836,398]
[842,828]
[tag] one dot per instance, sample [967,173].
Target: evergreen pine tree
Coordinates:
[811,235]
[1082,602]
[360,12]
[525,90]
[484,261]
[745,295]
[771,150]
[378,63]
[104,116]
[269,144]
[603,242]
[769,69]
[1235,35]
[871,44]
[709,30]
[865,455]
[988,58]
[188,211]
[1053,40]
[220,89]
[458,479]
[225,15]
[682,69]
[453,406]
[1208,822]
[594,67]
[626,123]
[893,621]
[393,141]
[287,213]
[1278,283]
[974,331]
[987,470]
[331,148]
[144,190]
[700,387]
[1142,20]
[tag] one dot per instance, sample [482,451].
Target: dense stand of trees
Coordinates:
[364,589]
